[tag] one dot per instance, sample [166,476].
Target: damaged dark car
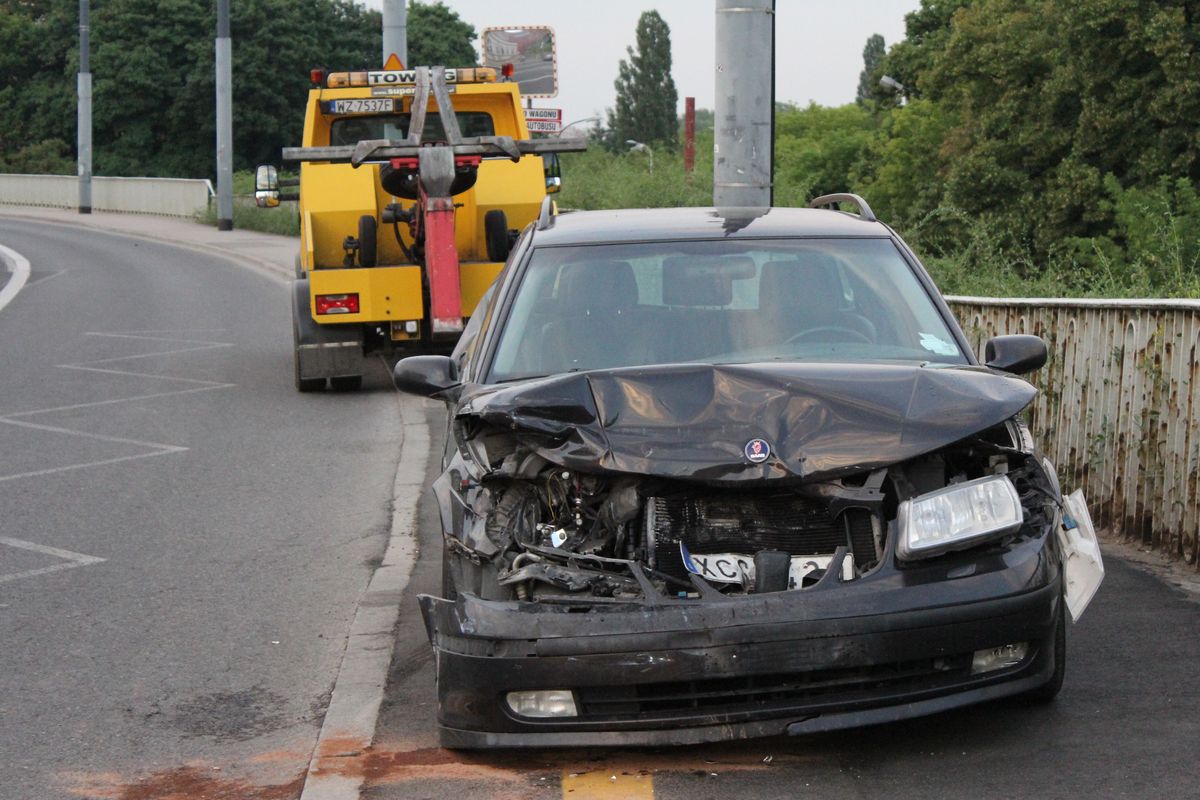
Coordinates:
[714,474]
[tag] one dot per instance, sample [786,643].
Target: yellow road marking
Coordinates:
[607,785]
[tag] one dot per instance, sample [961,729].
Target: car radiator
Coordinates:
[745,523]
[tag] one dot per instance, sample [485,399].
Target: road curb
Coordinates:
[349,724]
[263,266]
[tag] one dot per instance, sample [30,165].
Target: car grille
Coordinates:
[767,692]
[745,523]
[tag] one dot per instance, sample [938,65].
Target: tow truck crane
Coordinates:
[456,179]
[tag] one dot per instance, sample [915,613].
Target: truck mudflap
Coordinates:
[323,351]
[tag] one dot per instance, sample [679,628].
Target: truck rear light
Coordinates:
[337,304]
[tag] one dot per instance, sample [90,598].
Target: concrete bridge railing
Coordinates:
[176,197]
[1119,408]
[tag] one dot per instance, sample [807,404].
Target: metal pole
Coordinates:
[83,131]
[224,120]
[743,147]
[689,134]
[395,30]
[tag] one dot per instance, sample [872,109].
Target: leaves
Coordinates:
[646,96]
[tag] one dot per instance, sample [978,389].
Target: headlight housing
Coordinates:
[957,517]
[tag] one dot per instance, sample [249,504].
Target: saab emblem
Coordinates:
[757,451]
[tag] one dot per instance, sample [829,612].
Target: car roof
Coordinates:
[656,224]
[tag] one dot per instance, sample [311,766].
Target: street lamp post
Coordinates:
[577,122]
[641,147]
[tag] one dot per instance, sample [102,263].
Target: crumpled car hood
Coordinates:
[696,421]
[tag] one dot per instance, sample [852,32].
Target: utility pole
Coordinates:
[224,120]
[83,130]
[744,143]
[395,30]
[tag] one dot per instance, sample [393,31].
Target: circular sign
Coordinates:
[757,451]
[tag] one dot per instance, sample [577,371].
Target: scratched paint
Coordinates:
[1119,407]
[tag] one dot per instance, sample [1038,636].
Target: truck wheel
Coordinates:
[302,384]
[495,232]
[346,383]
[368,256]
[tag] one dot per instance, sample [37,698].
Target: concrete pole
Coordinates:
[744,143]
[224,120]
[395,30]
[83,131]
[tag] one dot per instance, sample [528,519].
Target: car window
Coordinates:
[602,306]
[352,130]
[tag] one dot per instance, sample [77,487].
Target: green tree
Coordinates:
[816,150]
[437,35]
[868,79]
[646,95]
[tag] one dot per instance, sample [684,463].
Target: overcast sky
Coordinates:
[818,54]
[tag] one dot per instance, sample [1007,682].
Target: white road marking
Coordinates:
[155,448]
[19,266]
[44,278]
[72,559]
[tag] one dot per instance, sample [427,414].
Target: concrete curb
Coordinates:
[349,725]
[263,266]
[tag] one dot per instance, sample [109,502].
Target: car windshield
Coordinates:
[721,302]
[352,130]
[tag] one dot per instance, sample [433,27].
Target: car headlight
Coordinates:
[958,516]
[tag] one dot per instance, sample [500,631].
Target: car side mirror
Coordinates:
[266,186]
[427,376]
[1019,354]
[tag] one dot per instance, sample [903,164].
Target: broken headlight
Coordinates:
[958,516]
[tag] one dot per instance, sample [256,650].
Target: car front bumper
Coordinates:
[895,644]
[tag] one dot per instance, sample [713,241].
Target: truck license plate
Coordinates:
[362,105]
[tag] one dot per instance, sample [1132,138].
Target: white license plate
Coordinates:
[363,105]
[737,568]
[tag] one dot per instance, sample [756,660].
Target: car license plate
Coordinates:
[361,105]
[738,568]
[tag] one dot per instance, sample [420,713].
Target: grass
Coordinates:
[284,219]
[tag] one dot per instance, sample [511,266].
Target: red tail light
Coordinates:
[337,304]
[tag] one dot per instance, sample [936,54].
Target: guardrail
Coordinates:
[1119,407]
[176,197]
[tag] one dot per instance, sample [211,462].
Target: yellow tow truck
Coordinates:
[414,184]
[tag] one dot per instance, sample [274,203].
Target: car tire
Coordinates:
[346,383]
[1050,689]
[495,231]
[368,254]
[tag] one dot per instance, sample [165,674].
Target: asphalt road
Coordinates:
[183,537]
[1124,726]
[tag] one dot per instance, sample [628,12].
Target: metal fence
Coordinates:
[1119,408]
[176,197]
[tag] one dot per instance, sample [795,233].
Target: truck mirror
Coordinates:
[552,167]
[553,185]
[266,186]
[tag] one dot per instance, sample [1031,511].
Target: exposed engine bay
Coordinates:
[534,530]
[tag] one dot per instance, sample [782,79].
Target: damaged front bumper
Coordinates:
[893,644]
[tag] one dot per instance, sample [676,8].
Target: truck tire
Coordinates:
[495,232]
[302,384]
[368,255]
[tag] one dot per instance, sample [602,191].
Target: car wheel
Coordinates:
[346,383]
[1050,689]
